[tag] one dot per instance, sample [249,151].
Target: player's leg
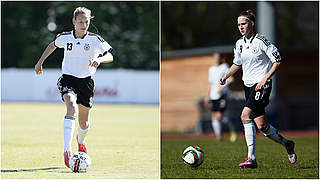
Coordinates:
[69,124]
[250,136]
[224,119]
[86,88]
[83,128]
[216,124]
[233,134]
[269,131]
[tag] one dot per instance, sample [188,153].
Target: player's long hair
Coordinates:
[82,10]
[249,14]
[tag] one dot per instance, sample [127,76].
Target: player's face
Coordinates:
[244,27]
[216,58]
[81,23]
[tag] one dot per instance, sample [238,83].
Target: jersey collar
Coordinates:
[74,35]
[251,38]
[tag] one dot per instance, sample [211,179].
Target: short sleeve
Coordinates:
[270,49]
[273,53]
[102,45]
[210,75]
[59,41]
[237,57]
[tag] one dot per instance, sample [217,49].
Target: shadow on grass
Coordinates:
[32,170]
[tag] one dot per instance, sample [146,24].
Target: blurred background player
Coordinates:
[254,53]
[83,53]
[217,97]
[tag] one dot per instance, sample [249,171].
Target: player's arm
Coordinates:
[50,48]
[233,69]
[106,58]
[273,69]
[274,56]
[230,80]
[207,98]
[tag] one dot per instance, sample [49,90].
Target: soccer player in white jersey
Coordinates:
[217,97]
[83,53]
[259,60]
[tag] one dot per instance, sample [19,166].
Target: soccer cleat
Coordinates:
[82,147]
[291,154]
[249,163]
[67,155]
[233,136]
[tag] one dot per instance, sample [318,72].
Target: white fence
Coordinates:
[112,86]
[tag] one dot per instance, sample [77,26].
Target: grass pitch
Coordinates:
[221,159]
[123,141]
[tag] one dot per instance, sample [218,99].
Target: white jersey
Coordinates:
[78,52]
[255,55]
[215,73]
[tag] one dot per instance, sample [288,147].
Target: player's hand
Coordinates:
[261,84]
[222,81]
[38,68]
[206,101]
[94,63]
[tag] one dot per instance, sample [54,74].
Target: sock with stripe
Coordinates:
[273,134]
[250,136]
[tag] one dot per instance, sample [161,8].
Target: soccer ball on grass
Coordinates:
[193,156]
[79,162]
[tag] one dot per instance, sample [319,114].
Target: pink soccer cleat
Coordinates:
[82,147]
[291,154]
[249,163]
[67,155]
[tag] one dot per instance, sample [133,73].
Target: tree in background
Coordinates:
[131,28]
[187,25]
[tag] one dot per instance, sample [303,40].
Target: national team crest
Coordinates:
[87,47]
[255,50]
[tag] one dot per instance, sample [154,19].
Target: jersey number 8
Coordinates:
[257,95]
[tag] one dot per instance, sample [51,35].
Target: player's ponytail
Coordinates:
[82,10]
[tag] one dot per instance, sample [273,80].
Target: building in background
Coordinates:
[194,30]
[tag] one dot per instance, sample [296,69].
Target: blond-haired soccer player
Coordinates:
[83,53]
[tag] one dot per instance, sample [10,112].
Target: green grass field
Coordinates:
[222,159]
[123,141]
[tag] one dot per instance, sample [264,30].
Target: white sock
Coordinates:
[216,125]
[82,133]
[229,123]
[250,135]
[68,126]
[273,134]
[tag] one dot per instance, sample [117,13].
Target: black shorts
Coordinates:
[257,100]
[81,87]
[218,105]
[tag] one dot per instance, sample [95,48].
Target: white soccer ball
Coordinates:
[193,156]
[80,162]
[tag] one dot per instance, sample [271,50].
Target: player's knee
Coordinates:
[72,108]
[84,124]
[245,116]
[71,104]
[262,126]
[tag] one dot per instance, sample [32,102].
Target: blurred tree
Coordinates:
[201,24]
[131,28]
